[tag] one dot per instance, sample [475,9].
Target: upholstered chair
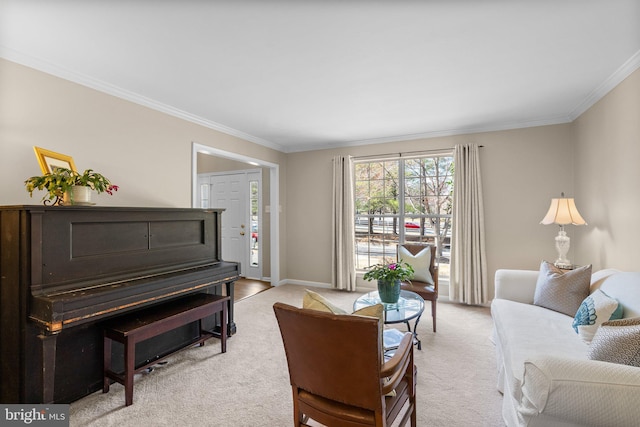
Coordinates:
[337,373]
[425,282]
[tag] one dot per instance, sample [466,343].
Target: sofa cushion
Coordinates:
[560,290]
[617,341]
[596,309]
[421,262]
[567,392]
[521,328]
[625,287]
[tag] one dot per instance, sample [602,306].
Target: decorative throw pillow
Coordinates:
[561,290]
[315,301]
[420,263]
[617,341]
[596,309]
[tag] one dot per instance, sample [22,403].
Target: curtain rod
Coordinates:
[406,153]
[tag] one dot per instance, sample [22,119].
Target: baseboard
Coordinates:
[306,283]
[361,287]
[259,279]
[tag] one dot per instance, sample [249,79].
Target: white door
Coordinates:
[236,193]
[227,192]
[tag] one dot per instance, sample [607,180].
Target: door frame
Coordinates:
[274,194]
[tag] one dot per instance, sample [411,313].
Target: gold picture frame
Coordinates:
[49,160]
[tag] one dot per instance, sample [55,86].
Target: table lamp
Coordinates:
[563,211]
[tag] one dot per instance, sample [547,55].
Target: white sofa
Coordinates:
[544,370]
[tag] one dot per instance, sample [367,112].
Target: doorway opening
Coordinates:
[270,245]
[239,193]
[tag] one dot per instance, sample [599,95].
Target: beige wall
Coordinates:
[519,180]
[148,154]
[608,179]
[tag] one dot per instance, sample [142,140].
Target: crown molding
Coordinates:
[435,134]
[109,89]
[625,70]
[631,65]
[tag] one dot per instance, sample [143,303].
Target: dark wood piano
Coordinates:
[64,270]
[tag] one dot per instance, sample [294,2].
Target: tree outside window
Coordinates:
[404,200]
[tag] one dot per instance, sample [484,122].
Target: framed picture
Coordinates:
[49,160]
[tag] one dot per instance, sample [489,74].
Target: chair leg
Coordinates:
[433,314]
[299,419]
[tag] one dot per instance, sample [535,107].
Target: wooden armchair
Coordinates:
[428,291]
[337,373]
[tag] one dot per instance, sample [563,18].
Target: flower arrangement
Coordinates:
[390,273]
[61,180]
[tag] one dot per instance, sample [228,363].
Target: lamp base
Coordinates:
[564,266]
[562,246]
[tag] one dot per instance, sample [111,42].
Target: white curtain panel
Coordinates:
[468,258]
[343,267]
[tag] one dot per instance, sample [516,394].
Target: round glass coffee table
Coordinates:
[409,306]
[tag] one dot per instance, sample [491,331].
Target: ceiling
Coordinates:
[302,75]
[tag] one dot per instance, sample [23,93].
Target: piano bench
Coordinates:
[147,323]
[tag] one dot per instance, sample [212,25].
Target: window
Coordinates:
[403,200]
[254,200]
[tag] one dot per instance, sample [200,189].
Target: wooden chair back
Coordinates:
[336,371]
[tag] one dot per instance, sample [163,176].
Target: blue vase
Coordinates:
[389,291]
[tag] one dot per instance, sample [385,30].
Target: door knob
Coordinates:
[242,233]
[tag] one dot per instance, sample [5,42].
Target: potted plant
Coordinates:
[389,277]
[68,187]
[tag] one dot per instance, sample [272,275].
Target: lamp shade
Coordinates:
[562,212]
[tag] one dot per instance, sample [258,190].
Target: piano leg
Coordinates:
[106,364]
[48,354]
[231,325]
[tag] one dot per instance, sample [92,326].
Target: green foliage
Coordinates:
[61,180]
[390,272]
[427,200]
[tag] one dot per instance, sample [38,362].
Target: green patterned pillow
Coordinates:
[617,341]
[596,309]
[561,290]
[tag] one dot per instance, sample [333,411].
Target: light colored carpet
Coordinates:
[249,385]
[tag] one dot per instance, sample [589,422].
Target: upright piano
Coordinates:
[64,270]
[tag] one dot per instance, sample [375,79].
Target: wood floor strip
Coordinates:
[244,288]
